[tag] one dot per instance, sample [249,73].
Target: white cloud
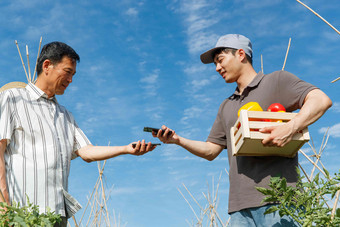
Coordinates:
[198,18]
[334,131]
[150,79]
[190,113]
[126,190]
[336,107]
[198,84]
[133,12]
[194,69]
[150,83]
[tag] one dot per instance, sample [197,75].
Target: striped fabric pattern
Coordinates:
[42,139]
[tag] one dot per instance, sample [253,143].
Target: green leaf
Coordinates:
[264,191]
[283,184]
[337,212]
[271,209]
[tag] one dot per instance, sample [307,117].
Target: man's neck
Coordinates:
[245,78]
[44,87]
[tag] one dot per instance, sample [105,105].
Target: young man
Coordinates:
[232,56]
[39,137]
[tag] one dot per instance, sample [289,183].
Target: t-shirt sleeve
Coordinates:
[7,120]
[293,90]
[218,134]
[80,140]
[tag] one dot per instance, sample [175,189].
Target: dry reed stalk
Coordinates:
[75,222]
[88,202]
[322,148]
[94,204]
[189,205]
[284,63]
[103,191]
[22,61]
[311,161]
[28,65]
[318,16]
[335,204]
[36,63]
[336,80]
[226,171]
[192,197]
[228,221]
[218,186]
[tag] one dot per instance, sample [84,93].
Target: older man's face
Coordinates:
[61,74]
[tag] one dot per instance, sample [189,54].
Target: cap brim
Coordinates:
[13,85]
[208,57]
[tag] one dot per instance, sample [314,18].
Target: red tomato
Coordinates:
[276,107]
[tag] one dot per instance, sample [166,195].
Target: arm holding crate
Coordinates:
[315,105]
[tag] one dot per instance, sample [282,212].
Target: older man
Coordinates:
[39,137]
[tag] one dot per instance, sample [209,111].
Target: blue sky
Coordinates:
[140,67]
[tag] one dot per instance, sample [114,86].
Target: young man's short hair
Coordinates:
[232,51]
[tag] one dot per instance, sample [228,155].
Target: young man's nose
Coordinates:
[218,67]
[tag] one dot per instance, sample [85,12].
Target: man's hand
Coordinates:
[140,148]
[279,135]
[167,136]
[4,197]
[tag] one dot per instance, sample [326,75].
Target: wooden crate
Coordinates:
[246,140]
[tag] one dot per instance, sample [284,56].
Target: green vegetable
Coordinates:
[308,202]
[26,216]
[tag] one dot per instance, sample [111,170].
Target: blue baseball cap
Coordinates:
[234,41]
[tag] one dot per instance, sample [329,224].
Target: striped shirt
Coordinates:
[42,138]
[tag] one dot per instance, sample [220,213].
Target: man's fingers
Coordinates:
[267,129]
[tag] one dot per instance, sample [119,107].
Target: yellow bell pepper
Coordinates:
[253,106]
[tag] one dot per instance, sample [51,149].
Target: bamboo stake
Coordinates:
[192,197]
[28,64]
[228,221]
[322,148]
[75,222]
[88,202]
[22,61]
[189,204]
[36,63]
[313,162]
[226,171]
[336,80]
[319,16]
[284,63]
[103,191]
[335,204]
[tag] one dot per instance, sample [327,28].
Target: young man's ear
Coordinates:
[241,54]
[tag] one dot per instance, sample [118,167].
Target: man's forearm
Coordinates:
[315,105]
[97,153]
[206,150]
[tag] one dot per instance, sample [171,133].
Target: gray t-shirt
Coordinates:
[246,172]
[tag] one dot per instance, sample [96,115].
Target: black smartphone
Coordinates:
[153,144]
[149,129]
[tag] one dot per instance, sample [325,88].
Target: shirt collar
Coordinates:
[252,84]
[38,93]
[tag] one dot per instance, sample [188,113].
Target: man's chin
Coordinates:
[60,92]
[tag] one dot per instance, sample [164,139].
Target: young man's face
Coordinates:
[228,66]
[61,74]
